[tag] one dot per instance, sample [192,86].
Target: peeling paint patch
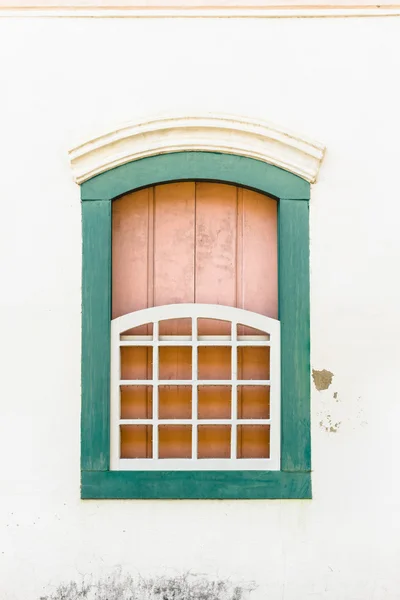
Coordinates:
[328,425]
[322,379]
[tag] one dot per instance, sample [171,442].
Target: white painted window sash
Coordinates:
[270,329]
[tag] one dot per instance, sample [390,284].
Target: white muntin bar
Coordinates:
[192,381]
[234,390]
[155,391]
[199,421]
[133,339]
[194,388]
[204,340]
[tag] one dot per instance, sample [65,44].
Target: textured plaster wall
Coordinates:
[334,80]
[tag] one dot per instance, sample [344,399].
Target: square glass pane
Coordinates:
[136,401]
[175,362]
[253,441]
[214,401]
[214,362]
[253,401]
[174,402]
[136,362]
[253,362]
[136,441]
[214,441]
[175,441]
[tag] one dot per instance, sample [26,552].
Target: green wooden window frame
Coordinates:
[293,193]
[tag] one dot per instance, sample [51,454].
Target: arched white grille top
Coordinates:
[208,133]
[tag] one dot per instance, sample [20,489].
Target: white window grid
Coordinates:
[236,317]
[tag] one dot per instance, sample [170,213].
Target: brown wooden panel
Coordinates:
[202,242]
[259,268]
[216,216]
[130,227]
[174,249]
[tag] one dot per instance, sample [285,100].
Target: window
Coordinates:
[198,397]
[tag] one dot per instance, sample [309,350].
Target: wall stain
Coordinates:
[322,379]
[119,586]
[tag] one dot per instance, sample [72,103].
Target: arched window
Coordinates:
[195,380]
[195,321]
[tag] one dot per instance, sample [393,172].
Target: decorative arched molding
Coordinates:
[210,133]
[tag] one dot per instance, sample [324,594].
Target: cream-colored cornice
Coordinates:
[211,133]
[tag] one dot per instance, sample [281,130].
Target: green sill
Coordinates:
[195,485]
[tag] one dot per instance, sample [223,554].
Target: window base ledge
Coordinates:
[195,485]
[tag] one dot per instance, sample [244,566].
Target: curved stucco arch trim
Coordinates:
[212,133]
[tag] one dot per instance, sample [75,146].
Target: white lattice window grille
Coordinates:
[153,435]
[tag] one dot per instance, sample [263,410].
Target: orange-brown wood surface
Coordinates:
[195,242]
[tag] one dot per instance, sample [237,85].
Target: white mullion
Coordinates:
[234,390]
[262,382]
[194,388]
[199,422]
[155,390]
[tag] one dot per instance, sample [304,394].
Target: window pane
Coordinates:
[214,362]
[175,362]
[136,441]
[253,441]
[214,401]
[253,363]
[250,331]
[174,441]
[174,402]
[213,327]
[253,402]
[214,441]
[142,330]
[136,362]
[136,401]
[176,327]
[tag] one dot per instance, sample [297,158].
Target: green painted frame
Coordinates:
[292,193]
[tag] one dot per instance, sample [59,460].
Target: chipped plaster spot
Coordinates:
[322,379]
[328,425]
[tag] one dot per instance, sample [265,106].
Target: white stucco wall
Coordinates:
[335,80]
